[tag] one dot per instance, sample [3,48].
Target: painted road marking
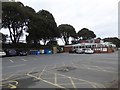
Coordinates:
[23,59]
[55,78]
[70,83]
[6,74]
[10,85]
[74,86]
[42,72]
[14,73]
[10,76]
[53,66]
[88,67]
[13,86]
[46,81]
[85,66]
[35,59]
[99,68]
[16,65]
[11,61]
[93,84]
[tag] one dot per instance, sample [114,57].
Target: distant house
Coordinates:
[98,45]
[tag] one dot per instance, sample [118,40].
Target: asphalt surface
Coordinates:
[61,70]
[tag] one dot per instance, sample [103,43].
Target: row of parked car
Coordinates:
[12,52]
[82,50]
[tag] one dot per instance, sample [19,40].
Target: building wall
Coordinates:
[103,50]
[67,49]
[96,49]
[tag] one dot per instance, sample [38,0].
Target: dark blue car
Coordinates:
[21,53]
[11,52]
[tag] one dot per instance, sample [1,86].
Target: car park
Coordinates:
[2,53]
[77,66]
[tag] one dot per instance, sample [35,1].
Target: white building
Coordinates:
[98,47]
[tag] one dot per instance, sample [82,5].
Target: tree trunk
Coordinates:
[10,34]
[66,41]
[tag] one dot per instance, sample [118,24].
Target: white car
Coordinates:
[88,51]
[2,53]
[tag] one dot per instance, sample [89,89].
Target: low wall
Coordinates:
[103,50]
[96,50]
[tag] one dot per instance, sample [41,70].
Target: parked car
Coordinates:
[2,53]
[88,51]
[79,51]
[22,52]
[11,52]
[72,51]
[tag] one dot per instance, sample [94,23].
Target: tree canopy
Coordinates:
[15,18]
[86,34]
[66,31]
[114,40]
[50,26]
[42,27]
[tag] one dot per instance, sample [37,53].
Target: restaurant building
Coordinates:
[99,46]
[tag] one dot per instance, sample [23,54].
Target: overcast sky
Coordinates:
[100,16]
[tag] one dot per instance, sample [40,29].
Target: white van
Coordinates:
[88,51]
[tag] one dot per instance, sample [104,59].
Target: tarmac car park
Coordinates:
[61,70]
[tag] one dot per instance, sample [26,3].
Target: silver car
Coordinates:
[79,51]
[2,53]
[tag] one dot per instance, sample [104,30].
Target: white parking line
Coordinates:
[54,67]
[16,65]
[97,68]
[41,72]
[72,82]
[55,78]
[93,84]
[11,61]
[45,81]
[23,60]
[13,74]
